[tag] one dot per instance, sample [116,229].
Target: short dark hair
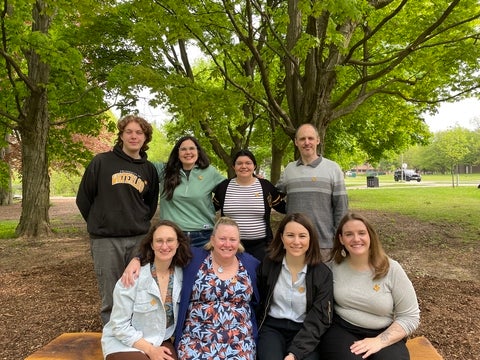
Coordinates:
[183,254]
[247,153]
[276,250]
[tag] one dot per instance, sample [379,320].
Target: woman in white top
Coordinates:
[144,315]
[375,303]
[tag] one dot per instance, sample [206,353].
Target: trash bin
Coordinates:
[372,181]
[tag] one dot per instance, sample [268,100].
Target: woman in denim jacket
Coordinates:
[144,315]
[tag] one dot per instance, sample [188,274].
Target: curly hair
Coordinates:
[144,124]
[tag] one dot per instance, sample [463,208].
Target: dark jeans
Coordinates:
[199,238]
[336,342]
[275,337]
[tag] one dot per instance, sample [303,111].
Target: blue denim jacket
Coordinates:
[138,313]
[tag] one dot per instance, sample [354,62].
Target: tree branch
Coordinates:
[81,116]
[394,61]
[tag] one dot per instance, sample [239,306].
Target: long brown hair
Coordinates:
[171,173]
[183,254]
[276,250]
[377,257]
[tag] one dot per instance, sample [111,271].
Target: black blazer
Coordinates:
[319,293]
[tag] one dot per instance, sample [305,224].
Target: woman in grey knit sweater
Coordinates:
[375,303]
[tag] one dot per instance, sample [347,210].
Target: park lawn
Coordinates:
[456,205]
[387,180]
[7,229]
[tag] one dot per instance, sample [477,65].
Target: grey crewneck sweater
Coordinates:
[375,304]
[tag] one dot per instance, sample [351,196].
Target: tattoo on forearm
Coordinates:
[384,337]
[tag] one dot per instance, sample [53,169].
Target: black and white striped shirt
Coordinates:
[245,204]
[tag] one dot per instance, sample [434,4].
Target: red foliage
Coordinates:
[12,154]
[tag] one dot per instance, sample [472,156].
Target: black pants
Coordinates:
[336,342]
[138,355]
[275,337]
[256,247]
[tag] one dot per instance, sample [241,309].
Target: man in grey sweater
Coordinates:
[315,186]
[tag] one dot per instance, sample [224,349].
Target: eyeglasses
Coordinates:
[185,149]
[169,242]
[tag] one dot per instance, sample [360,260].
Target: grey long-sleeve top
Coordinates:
[375,304]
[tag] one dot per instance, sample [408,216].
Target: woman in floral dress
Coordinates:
[216,317]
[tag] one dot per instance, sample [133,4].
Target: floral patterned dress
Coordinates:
[218,323]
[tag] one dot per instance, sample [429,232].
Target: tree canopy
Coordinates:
[50,91]
[361,71]
[448,150]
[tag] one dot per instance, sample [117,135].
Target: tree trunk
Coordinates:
[34,127]
[6,194]
[309,96]
[277,158]
[5,177]
[34,221]
[6,197]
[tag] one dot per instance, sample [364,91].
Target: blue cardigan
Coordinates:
[190,274]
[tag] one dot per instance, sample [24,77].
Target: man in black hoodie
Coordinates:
[117,197]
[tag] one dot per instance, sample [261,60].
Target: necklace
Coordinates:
[220,268]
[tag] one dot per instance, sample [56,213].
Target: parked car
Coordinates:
[408,175]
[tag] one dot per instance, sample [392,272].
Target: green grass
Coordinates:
[459,205]
[387,180]
[7,229]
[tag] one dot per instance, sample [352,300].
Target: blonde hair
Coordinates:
[224,220]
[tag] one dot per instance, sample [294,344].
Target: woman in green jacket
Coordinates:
[186,184]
